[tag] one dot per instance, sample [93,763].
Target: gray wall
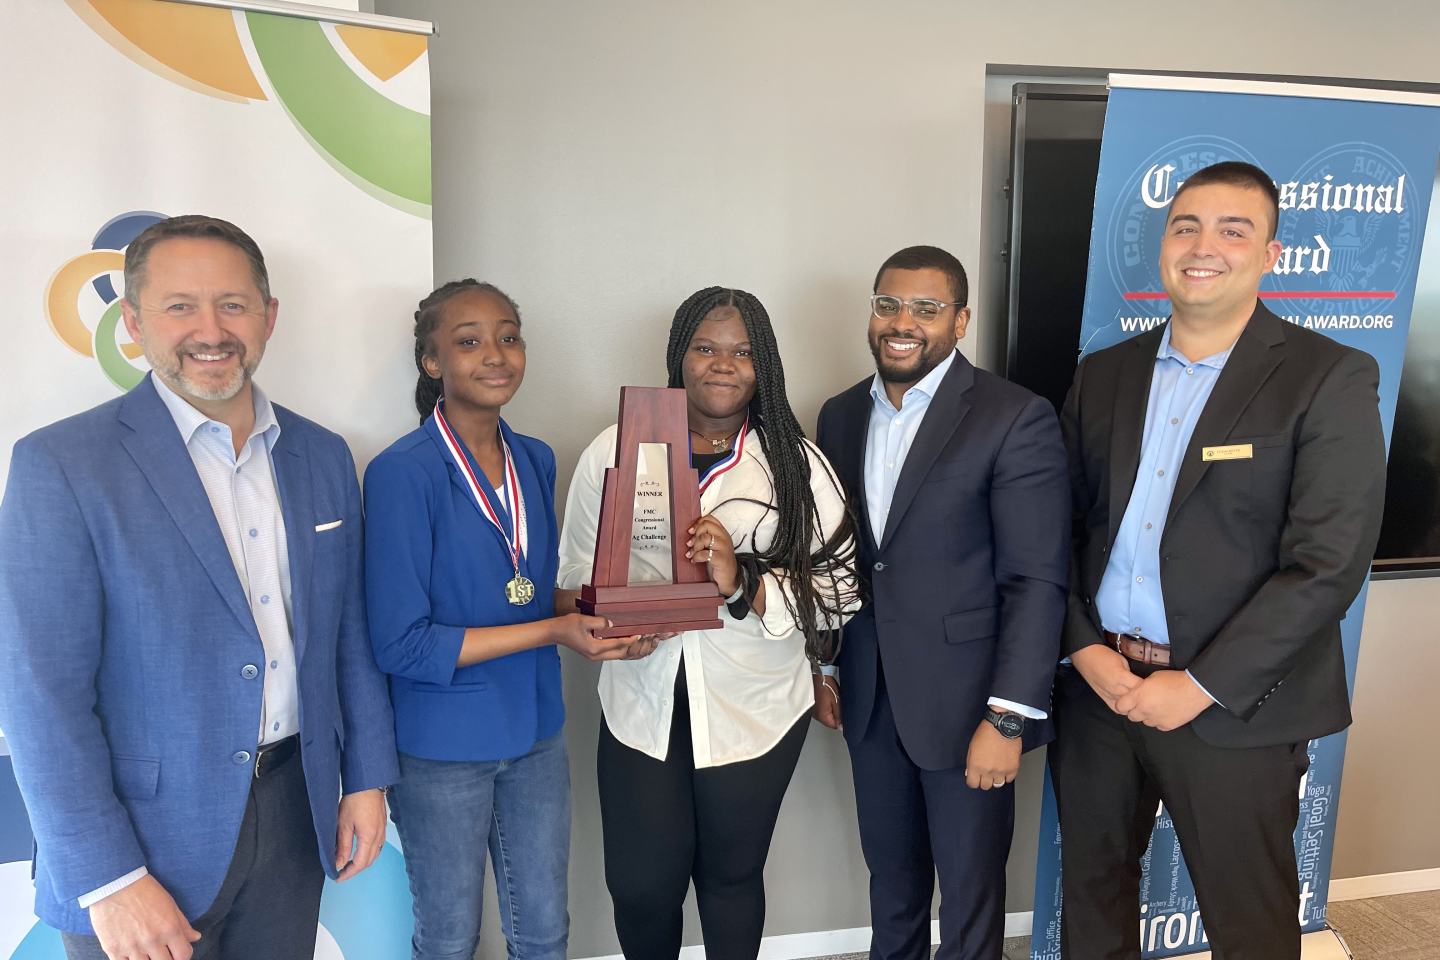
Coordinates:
[1391,776]
[602,161]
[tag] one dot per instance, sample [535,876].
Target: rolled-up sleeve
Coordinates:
[582,512]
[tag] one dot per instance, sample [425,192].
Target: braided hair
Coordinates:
[783,440]
[428,389]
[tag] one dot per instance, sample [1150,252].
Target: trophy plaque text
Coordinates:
[690,601]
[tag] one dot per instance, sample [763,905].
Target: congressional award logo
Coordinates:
[1127,249]
[1351,239]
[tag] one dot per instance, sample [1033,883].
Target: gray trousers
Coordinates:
[269,902]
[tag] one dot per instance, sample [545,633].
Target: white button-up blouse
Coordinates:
[749,681]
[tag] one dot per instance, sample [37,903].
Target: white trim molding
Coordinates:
[310,11]
[1385,884]
[1318,945]
[1147,81]
[826,943]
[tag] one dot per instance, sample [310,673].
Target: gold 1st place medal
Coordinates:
[520,591]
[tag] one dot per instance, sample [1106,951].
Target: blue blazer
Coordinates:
[129,695]
[969,577]
[435,566]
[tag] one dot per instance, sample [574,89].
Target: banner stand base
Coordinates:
[1324,944]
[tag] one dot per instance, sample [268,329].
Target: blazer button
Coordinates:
[240,756]
[249,671]
[879,566]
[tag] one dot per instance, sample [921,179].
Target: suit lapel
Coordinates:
[1127,422]
[1257,353]
[457,479]
[942,419]
[853,435]
[295,484]
[159,452]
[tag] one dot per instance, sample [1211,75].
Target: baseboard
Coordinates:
[1385,884]
[825,943]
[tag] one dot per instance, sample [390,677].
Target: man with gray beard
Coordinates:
[189,685]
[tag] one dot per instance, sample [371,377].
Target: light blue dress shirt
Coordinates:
[887,444]
[1130,599]
[243,493]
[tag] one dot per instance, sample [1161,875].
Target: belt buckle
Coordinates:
[260,754]
[1134,638]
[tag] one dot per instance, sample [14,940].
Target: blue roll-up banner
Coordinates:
[1356,170]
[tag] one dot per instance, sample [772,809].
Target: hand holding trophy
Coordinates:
[690,601]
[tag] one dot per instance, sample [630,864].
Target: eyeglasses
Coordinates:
[887,307]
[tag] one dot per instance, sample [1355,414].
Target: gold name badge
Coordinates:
[1235,451]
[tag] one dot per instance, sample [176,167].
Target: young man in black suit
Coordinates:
[1227,472]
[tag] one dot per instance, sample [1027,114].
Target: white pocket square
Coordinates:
[322,527]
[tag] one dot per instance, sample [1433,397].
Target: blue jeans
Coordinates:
[449,813]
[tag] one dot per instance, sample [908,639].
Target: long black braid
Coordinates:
[783,440]
[428,389]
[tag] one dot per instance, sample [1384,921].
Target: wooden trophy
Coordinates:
[690,601]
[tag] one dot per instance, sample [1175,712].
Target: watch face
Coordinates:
[1009,725]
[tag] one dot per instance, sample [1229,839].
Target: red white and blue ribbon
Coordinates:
[512,493]
[729,462]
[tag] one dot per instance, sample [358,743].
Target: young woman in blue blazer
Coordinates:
[461,555]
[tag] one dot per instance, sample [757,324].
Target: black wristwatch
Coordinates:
[1010,725]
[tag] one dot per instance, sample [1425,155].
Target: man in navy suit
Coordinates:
[960,485]
[196,721]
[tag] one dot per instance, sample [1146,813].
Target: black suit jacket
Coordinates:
[1260,557]
[968,582]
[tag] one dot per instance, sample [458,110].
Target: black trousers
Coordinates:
[269,902]
[916,824]
[1234,812]
[666,823]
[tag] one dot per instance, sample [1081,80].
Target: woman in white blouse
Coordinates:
[703,730]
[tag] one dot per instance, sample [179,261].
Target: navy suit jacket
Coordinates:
[437,565]
[125,635]
[969,580]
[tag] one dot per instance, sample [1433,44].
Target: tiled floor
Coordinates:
[1401,927]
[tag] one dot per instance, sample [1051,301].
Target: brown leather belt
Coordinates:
[1139,649]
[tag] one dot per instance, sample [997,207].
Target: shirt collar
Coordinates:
[1167,352]
[188,419]
[927,384]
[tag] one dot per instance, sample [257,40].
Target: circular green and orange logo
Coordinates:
[71,308]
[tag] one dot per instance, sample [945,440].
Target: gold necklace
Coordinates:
[716,446]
